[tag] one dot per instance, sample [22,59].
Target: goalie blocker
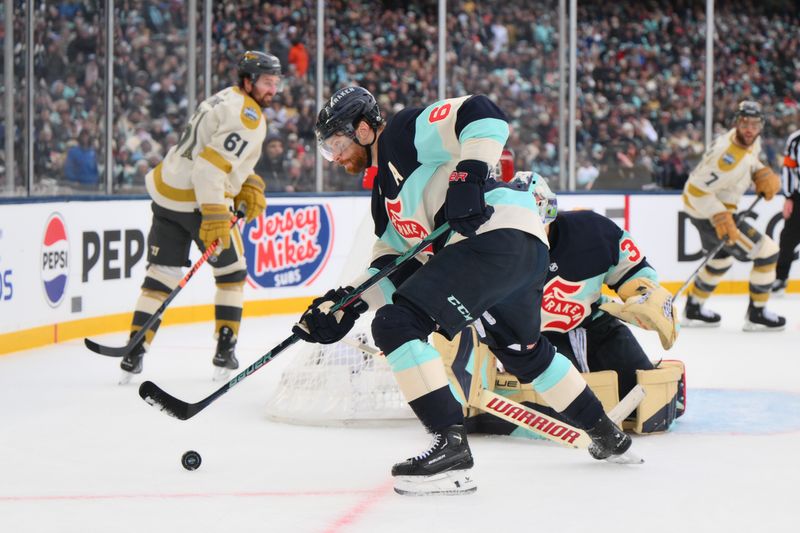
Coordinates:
[471,366]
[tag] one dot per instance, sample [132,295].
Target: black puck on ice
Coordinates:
[191,460]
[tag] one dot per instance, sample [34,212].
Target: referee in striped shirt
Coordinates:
[790,236]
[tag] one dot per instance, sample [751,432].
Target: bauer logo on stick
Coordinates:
[55,260]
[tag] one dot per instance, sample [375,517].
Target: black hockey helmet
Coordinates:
[252,64]
[343,111]
[749,108]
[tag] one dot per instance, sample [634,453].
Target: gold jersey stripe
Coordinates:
[216,159]
[170,192]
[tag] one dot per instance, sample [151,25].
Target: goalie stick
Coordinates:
[714,251]
[160,399]
[526,417]
[122,351]
[556,430]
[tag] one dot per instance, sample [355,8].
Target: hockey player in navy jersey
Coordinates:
[432,167]
[587,251]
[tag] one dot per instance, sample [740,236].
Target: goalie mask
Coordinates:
[546,199]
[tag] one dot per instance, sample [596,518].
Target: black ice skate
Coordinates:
[610,443]
[131,364]
[225,358]
[759,319]
[695,315]
[779,287]
[444,468]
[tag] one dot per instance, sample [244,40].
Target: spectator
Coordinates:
[80,167]
[298,58]
[273,166]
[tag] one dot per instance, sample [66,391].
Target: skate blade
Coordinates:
[627,458]
[125,377]
[751,326]
[221,373]
[453,482]
[692,323]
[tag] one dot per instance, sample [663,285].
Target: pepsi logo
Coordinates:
[288,245]
[54,262]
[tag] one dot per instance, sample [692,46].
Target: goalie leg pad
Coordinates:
[660,406]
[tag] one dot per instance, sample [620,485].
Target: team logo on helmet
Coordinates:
[55,260]
[288,245]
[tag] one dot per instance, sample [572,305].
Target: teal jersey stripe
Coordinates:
[428,140]
[385,285]
[486,128]
[506,196]
[554,373]
[412,353]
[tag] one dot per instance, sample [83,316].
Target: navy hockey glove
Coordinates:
[319,325]
[464,206]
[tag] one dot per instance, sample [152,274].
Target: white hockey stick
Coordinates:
[548,426]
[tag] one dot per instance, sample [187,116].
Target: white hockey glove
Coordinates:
[649,306]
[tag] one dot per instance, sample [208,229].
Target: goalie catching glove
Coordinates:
[252,195]
[464,206]
[649,306]
[319,325]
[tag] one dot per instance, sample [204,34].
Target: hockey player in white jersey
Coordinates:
[711,195]
[194,190]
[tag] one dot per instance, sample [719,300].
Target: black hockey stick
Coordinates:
[714,251]
[157,397]
[122,351]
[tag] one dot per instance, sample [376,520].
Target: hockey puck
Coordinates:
[191,460]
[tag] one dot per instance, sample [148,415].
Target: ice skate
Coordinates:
[696,316]
[779,287]
[759,319]
[225,359]
[131,364]
[444,468]
[611,444]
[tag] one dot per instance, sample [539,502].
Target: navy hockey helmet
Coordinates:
[344,110]
[252,64]
[749,108]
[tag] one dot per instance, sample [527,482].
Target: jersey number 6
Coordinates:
[439,113]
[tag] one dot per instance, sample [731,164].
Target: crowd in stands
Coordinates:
[640,71]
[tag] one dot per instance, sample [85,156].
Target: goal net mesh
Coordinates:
[338,385]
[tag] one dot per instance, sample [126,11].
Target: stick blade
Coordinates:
[109,351]
[163,401]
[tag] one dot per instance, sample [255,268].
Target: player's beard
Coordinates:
[357,163]
[743,141]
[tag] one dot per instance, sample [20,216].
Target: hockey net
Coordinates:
[338,385]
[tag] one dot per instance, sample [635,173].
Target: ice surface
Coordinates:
[78,453]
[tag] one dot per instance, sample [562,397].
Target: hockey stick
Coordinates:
[158,398]
[122,351]
[714,251]
[547,426]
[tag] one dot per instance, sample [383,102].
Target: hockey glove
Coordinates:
[216,224]
[319,325]
[464,206]
[725,226]
[649,306]
[252,195]
[767,183]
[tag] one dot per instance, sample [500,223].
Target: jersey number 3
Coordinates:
[633,252]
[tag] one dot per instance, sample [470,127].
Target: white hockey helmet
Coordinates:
[546,199]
